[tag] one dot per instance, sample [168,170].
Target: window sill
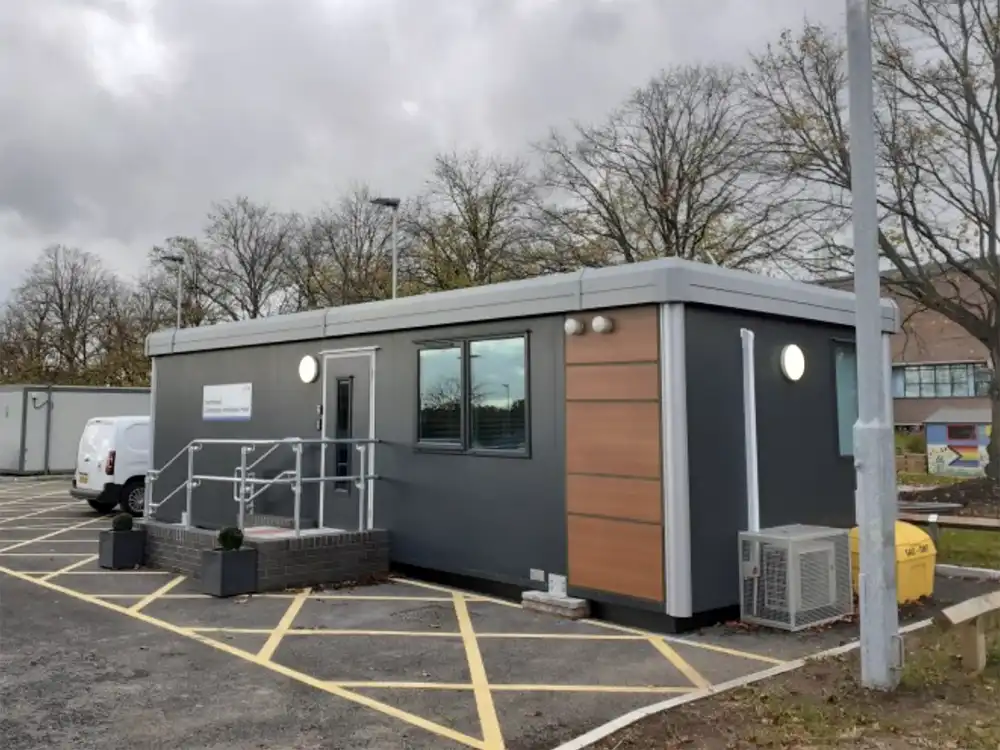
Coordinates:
[460,451]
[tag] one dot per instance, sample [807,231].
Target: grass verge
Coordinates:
[977,549]
[909,479]
[823,705]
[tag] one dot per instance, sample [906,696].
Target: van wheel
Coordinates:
[134,497]
[101,507]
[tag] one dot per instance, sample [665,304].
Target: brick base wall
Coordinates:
[334,558]
[170,547]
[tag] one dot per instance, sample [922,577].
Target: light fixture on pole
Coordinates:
[177,260]
[393,205]
[875,498]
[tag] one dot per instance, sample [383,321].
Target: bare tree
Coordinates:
[344,255]
[938,158]
[199,288]
[246,249]
[669,174]
[24,337]
[474,225]
[131,313]
[61,304]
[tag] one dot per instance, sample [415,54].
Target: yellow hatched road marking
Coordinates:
[332,689]
[267,650]
[492,736]
[688,642]
[678,661]
[643,634]
[157,594]
[68,568]
[515,688]
[323,631]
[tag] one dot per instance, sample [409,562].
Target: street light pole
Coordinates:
[393,205]
[395,252]
[875,497]
[178,260]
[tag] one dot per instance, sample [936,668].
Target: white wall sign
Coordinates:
[227,403]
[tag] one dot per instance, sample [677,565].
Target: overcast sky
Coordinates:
[121,120]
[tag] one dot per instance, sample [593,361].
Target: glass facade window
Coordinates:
[941,380]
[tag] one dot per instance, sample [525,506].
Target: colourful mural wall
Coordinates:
[956,457]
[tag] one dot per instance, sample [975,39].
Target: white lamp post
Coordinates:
[393,205]
[875,499]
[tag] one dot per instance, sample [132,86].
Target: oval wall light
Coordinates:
[600,324]
[308,369]
[793,362]
[573,327]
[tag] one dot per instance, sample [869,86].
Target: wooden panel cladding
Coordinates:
[629,382]
[613,438]
[635,337]
[615,497]
[620,557]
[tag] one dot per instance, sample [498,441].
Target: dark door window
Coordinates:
[342,431]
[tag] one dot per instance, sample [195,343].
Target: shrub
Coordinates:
[916,443]
[230,538]
[122,522]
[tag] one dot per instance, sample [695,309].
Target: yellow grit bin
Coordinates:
[915,559]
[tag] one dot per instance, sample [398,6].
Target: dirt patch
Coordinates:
[823,705]
[978,497]
[947,591]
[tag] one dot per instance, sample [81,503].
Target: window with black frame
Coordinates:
[441,386]
[473,395]
[498,377]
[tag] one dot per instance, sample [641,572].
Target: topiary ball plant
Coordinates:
[230,539]
[122,522]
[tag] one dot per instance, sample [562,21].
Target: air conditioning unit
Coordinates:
[795,577]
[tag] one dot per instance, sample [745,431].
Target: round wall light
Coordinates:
[308,369]
[573,327]
[793,362]
[600,324]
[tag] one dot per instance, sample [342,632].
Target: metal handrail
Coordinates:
[242,480]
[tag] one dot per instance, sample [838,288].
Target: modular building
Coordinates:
[587,425]
[40,425]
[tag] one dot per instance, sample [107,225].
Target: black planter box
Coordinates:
[121,550]
[229,572]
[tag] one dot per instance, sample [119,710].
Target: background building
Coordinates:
[936,364]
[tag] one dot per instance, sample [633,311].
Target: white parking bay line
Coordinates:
[36,513]
[50,534]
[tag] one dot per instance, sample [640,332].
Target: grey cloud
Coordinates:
[291,101]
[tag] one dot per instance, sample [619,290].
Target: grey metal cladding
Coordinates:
[655,281]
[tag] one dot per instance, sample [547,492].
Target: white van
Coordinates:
[111,464]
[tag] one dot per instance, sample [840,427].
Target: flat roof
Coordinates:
[75,388]
[651,282]
[960,415]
